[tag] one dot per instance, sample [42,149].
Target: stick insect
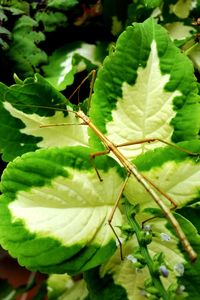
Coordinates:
[131,169]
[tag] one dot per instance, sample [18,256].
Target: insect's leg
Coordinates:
[166,211]
[147,220]
[152,140]
[151,218]
[91,75]
[61,124]
[161,192]
[113,212]
[92,159]
[91,88]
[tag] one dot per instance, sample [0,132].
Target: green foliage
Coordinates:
[76,287]
[55,205]
[4,31]
[5,34]
[51,20]
[62,4]
[103,287]
[71,251]
[152,3]
[74,58]
[23,49]
[40,91]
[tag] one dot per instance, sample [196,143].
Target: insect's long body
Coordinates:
[131,169]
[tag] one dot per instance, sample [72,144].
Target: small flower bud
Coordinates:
[146,237]
[131,258]
[147,228]
[165,237]
[137,264]
[163,271]
[179,269]
[180,290]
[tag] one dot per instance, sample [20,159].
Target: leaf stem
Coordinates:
[144,251]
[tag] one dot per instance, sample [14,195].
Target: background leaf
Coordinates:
[70,60]
[51,20]
[62,4]
[24,51]
[65,287]
[103,287]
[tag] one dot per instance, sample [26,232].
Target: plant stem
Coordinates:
[30,281]
[189,50]
[144,251]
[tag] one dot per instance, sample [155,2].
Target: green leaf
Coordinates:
[3,44]
[192,49]
[103,287]
[54,215]
[172,171]
[191,274]
[54,210]
[179,31]
[137,12]
[51,20]
[62,4]
[24,51]
[127,275]
[24,108]
[181,8]
[18,11]
[3,16]
[64,287]
[192,213]
[143,91]
[71,59]
[3,30]
[152,3]
[194,56]
[114,14]
[17,6]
